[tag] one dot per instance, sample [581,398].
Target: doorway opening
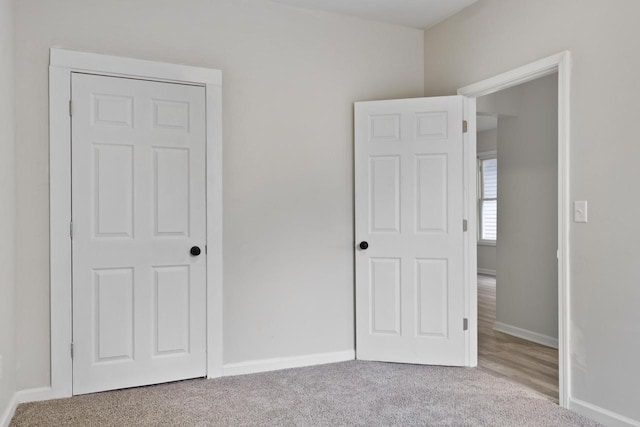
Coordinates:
[517,282]
[523,221]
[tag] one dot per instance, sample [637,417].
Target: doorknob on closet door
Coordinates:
[195,251]
[364,245]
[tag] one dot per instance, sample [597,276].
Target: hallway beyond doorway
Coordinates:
[525,362]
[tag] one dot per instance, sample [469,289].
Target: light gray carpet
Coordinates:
[342,394]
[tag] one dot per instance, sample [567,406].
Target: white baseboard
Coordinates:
[525,334]
[486,271]
[7,414]
[24,396]
[34,395]
[266,365]
[601,415]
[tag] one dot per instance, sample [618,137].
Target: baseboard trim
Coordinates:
[34,395]
[525,334]
[7,414]
[266,365]
[601,415]
[486,271]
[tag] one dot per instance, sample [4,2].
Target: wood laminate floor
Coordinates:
[524,362]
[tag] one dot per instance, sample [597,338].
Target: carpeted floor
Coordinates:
[342,394]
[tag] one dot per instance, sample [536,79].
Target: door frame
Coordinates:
[559,63]
[62,64]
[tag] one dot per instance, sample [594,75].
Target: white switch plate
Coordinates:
[580,211]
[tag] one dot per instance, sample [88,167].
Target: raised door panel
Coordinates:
[172,115]
[384,194]
[432,125]
[113,190]
[384,128]
[113,314]
[432,302]
[171,309]
[431,193]
[171,182]
[112,110]
[384,293]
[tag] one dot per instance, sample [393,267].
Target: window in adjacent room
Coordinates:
[488,198]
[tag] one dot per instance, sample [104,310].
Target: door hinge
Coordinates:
[465,324]
[464,225]
[72,350]
[70,108]
[71,229]
[465,126]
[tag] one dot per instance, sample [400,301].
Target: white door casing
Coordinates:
[409,201]
[138,206]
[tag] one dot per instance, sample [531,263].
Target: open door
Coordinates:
[410,225]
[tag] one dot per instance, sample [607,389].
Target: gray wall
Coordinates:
[290,77]
[502,103]
[493,36]
[527,267]
[487,141]
[7,205]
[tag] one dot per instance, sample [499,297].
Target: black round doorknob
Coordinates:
[364,245]
[195,251]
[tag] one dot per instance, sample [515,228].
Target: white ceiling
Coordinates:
[486,123]
[409,13]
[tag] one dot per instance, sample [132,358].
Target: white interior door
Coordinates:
[138,208]
[409,210]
